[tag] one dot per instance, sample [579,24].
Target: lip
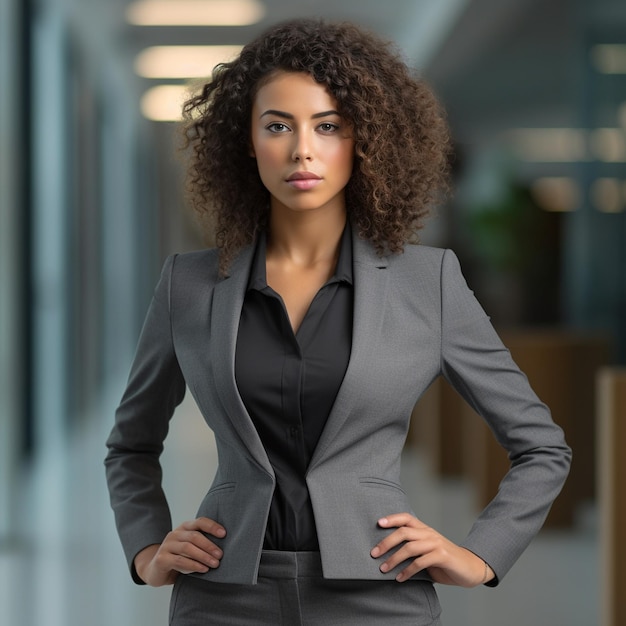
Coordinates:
[303,180]
[302,175]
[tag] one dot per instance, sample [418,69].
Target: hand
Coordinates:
[184,550]
[446,562]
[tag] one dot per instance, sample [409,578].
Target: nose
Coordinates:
[302,150]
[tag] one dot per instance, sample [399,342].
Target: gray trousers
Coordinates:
[292,592]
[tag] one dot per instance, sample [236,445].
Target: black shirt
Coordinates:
[289,382]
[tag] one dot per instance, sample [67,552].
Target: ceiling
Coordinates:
[416,25]
[457,44]
[489,60]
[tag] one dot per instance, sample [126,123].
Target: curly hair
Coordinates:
[401,136]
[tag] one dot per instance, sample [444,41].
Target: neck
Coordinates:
[305,238]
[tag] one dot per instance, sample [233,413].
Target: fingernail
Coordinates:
[220,532]
[375,552]
[400,577]
[384,567]
[383,521]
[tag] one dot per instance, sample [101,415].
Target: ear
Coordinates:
[251,151]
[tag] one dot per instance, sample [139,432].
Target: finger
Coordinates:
[191,545]
[401,535]
[206,525]
[191,551]
[400,519]
[417,562]
[411,550]
[421,548]
[186,565]
[171,558]
[203,526]
[410,570]
[392,540]
[180,541]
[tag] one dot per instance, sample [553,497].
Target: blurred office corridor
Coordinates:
[92,201]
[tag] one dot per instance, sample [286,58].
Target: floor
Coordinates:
[67,568]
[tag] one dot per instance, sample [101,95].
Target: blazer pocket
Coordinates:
[380,483]
[221,487]
[217,504]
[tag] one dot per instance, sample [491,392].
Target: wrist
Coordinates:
[482,570]
[143,559]
[488,574]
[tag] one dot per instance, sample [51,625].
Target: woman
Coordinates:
[306,338]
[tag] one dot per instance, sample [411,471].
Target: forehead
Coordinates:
[295,89]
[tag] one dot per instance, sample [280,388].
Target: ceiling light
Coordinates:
[609,58]
[182,61]
[164,103]
[195,12]
[559,145]
[568,145]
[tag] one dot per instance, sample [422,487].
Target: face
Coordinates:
[303,148]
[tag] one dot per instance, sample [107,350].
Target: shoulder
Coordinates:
[426,267]
[416,261]
[185,273]
[416,253]
[201,267]
[420,260]
[199,264]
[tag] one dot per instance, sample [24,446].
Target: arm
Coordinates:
[480,368]
[155,387]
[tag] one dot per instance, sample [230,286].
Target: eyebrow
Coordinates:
[289,116]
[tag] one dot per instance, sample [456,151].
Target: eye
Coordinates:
[277,127]
[328,127]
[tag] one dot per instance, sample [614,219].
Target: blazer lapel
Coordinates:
[370,287]
[228,297]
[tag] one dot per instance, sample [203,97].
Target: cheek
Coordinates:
[268,165]
[267,157]
[344,158]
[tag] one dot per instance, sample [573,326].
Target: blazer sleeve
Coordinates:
[155,387]
[481,369]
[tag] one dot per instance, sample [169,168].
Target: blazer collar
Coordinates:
[370,285]
[370,297]
[228,296]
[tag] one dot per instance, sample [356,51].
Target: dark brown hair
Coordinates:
[401,137]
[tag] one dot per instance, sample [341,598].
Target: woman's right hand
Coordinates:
[183,551]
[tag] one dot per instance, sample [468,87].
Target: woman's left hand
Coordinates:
[446,562]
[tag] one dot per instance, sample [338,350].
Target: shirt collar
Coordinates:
[343,271]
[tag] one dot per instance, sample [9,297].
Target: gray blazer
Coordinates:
[414,320]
